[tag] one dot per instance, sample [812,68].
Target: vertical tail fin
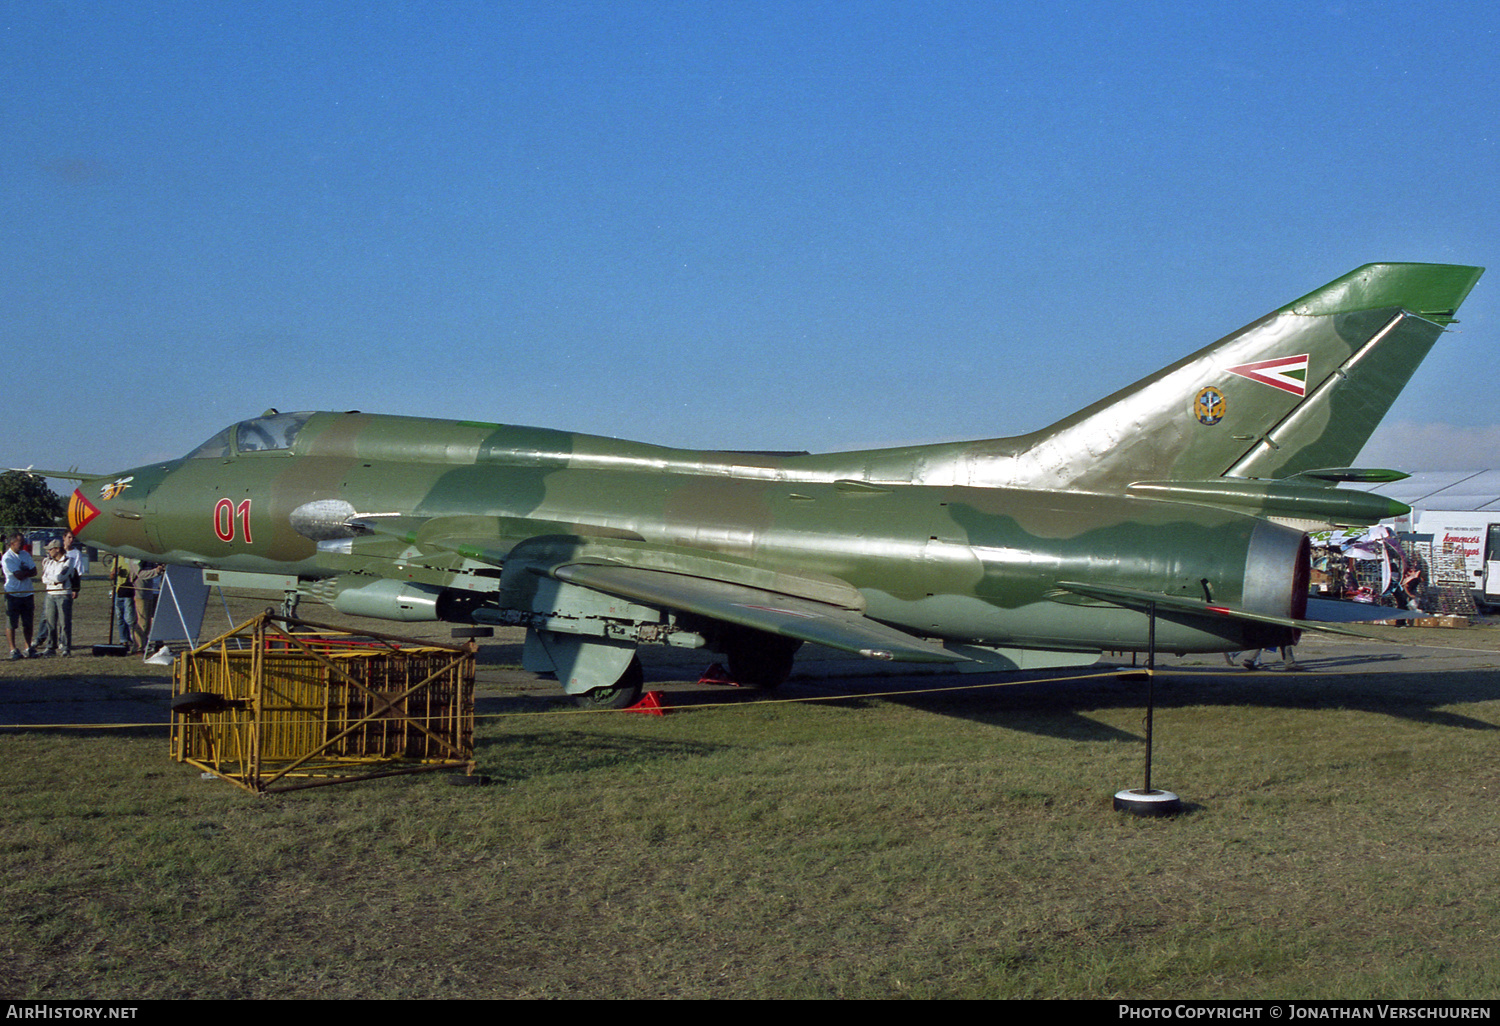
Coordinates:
[1300,389]
[1392,313]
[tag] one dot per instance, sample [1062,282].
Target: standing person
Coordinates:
[78,557]
[145,600]
[122,583]
[61,583]
[20,607]
[46,641]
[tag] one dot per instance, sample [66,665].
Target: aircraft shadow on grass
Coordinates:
[1059,708]
[81,707]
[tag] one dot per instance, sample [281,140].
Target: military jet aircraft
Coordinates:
[1173,509]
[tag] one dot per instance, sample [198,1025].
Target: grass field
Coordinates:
[1340,842]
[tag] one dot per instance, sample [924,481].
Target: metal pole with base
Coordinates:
[1147,801]
[112,649]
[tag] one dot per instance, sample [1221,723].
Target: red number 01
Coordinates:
[224,513]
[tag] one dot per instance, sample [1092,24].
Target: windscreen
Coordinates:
[262,434]
[218,445]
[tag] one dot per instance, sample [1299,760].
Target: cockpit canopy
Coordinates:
[265,433]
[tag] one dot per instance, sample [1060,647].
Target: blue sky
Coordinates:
[732,224]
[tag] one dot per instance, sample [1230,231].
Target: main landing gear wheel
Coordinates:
[761,660]
[622,694]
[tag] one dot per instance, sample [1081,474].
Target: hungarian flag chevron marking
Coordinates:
[1289,373]
[80,511]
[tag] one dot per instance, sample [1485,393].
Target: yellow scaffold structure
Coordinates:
[278,704]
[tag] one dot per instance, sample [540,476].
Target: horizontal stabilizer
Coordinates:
[1138,599]
[1335,611]
[791,617]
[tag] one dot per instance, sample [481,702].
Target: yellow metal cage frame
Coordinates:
[279,704]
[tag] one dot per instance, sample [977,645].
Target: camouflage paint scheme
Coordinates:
[1185,495]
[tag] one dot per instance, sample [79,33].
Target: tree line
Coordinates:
[26,501]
